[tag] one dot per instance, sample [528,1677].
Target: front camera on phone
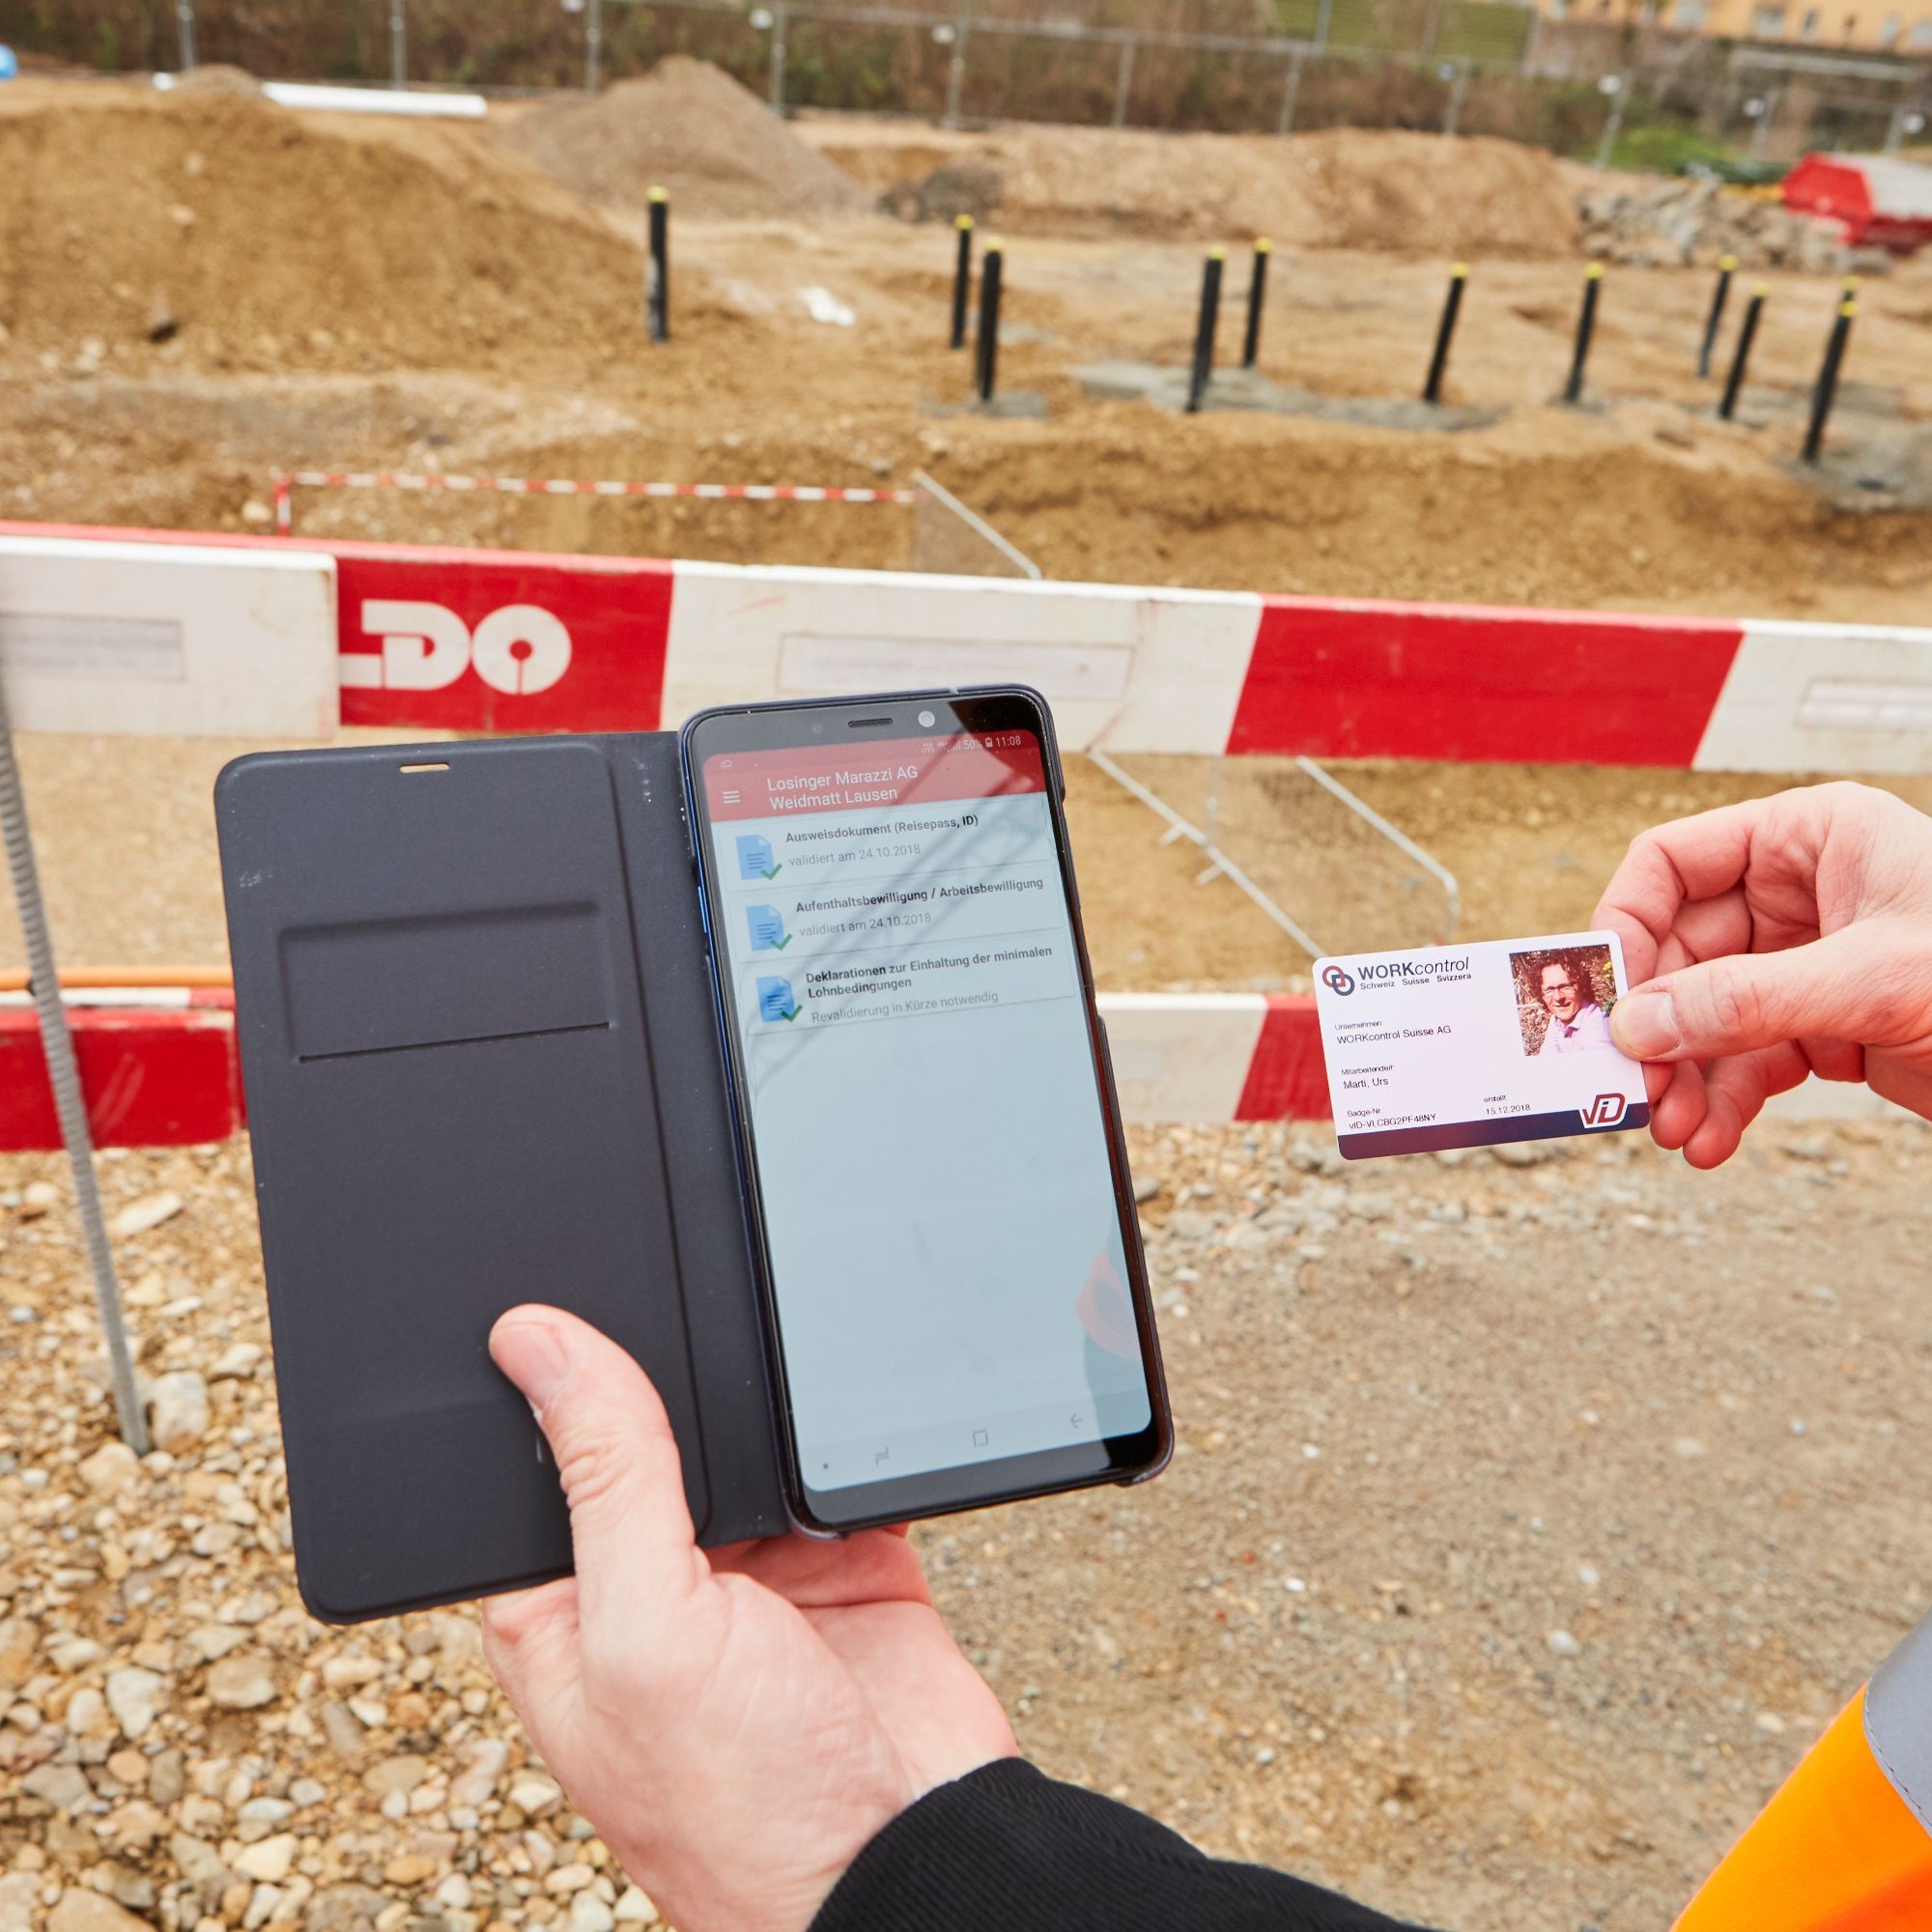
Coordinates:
[926,719]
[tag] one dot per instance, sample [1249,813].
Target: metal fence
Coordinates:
[1468,66]
[1454,66]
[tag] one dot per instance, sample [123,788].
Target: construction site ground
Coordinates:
[1500,1634]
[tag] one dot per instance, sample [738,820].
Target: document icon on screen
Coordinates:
[754,857]
[774,999]
[768,928]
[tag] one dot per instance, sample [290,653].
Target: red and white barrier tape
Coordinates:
[540,486]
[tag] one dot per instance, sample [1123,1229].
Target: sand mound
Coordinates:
[272,238]
[687,126]
[1343,187]
[218,77]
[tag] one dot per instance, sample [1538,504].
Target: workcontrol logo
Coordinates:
[1604,1111]
[1338,979]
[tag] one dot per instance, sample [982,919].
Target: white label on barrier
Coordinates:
[44,642]
[1132,670]
[107,635]
[812,665]
[1865,704]
[1823,698]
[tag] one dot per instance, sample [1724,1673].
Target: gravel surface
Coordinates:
[1529,1518]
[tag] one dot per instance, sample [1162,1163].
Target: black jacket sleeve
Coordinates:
[1010,1849]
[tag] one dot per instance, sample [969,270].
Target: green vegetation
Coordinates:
[1666,150]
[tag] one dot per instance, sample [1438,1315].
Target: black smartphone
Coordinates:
[942,1222]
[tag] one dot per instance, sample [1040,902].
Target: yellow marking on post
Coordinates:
[1458,271]
[994,245]
[1217,254]
[660,195]
[962,222]
[1263,246]
[1760,288]
[1728,262]
[1594,272]
[1848,308]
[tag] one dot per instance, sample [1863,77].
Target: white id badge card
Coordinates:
[1459,1046]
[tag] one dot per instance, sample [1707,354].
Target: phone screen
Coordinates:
[940,1203]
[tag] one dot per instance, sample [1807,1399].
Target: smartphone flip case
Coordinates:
[482,1067]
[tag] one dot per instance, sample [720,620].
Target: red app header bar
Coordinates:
[885,774]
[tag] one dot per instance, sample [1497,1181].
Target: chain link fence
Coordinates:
[1488,66]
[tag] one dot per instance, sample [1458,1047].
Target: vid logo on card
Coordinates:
[1607,1110]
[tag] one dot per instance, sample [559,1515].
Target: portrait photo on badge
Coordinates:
[1563,999]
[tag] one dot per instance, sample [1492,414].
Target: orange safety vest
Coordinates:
[1846,1844]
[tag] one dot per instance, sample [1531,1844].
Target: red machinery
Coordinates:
[1874,200]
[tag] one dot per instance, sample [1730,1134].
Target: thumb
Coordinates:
[630,1526]
[1839,988]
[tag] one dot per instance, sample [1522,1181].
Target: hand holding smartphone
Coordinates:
[844,1174]
[942,1220]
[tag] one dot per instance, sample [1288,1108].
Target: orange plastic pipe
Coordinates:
[13,978]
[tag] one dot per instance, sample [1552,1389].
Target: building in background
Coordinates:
[1901,27]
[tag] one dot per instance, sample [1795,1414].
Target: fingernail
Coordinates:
[1645,1024]
[532,1356]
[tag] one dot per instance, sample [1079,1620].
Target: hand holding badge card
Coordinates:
[1458,1046]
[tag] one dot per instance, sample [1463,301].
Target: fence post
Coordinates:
[1726,267]
[657,269]
[1445,330]
[185,34]
[1734,384]
[1204,331]
[955,73]
[1432,26]
[1251,342]
[593,44]
[1290,87]
[1458,87]
[1905,120]
[64,1077]
[1618,87]
[988,362]
[1325,19]
[774,87]
[962,279]
[1124,82]
[1828,378]
[1586,324]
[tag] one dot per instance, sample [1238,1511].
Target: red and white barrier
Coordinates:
[105,630]
[177,638]
[160,1067]
[443,640]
